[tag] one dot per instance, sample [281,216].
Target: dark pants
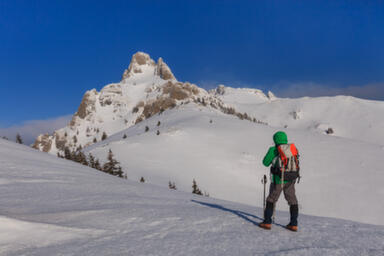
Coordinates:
[290,196]
[289,193]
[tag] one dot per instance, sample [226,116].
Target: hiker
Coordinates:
[283,158]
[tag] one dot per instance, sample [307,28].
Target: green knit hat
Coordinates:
[280,138]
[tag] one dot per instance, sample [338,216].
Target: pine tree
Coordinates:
[91,161]
[142,180]
[98,165]
[158,132]
[146,128]
[67,153]
[94,140]
[158,123]
[172,185]
[119,172]
[125,136]
[112,166]
[195,188]
[80,158]
[104,136]
[18,139]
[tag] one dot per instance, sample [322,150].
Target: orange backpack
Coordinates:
[286,164]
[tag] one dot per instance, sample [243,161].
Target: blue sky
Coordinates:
[51,52]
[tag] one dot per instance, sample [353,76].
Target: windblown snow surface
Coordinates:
[51,206]
[341,177]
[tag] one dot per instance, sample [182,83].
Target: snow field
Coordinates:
[225,158]
[51,206]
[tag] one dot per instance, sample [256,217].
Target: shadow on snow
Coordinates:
[241,214]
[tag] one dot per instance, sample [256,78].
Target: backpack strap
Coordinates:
[295,154]
[284,163]
[282,156]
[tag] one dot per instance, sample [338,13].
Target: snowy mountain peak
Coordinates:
[138,62]
[142,64]
[147,88]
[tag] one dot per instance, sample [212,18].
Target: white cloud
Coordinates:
[29,130]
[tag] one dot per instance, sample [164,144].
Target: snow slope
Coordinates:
[225,158]
[50,206]
[349,117]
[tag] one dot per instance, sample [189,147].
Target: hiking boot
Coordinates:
[268,213]
[294,210]
[265,225]
[292,228]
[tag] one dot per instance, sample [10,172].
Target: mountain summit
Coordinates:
[142,63]
[147,88]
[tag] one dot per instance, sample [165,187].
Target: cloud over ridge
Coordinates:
[29,130]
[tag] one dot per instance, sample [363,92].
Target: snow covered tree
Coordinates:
[112,166]
[67,153]
[98,165]
[18,139]
[195,188]
[104,136]
[80,158]
[172,185]
[91,161]
[329,131]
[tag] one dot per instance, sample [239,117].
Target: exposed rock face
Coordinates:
[271,96]
[220,90]
[163,71]
[109,93]
[87,104]
[138,59]
[43,143]
[141,60]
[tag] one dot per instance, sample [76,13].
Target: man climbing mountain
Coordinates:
[284,159]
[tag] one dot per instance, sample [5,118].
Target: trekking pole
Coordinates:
[274,204]
[264,182]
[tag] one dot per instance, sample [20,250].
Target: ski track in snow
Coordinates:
[70,209]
